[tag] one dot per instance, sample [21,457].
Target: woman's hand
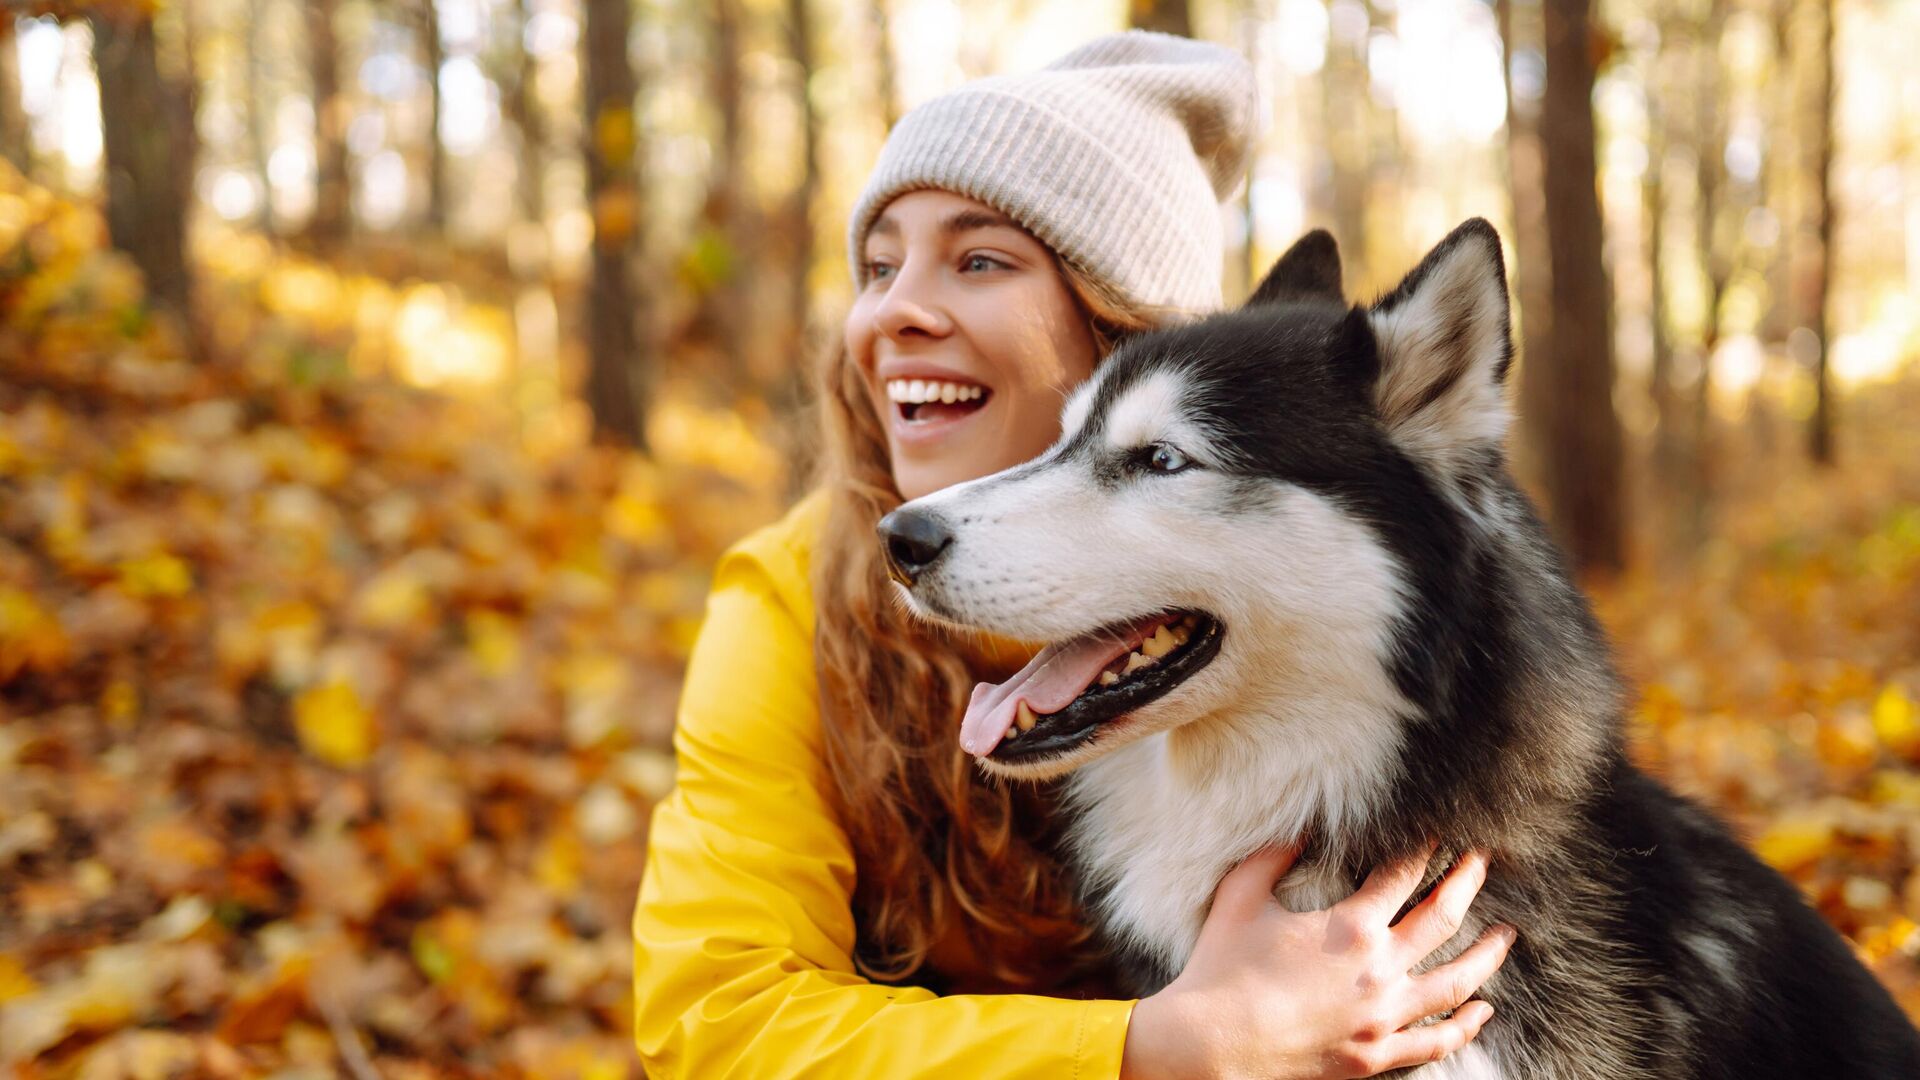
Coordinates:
[1276,995]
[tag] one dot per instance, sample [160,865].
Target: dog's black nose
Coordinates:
[913,540]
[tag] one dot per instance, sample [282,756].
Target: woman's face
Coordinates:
[968,338]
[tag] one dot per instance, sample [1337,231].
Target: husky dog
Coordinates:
[1293,592]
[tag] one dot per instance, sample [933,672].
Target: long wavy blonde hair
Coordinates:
[934,840]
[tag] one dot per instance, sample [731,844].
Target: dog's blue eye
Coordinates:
[1166,459]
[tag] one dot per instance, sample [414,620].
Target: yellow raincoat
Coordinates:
[744,932]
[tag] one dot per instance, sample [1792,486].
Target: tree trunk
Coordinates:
[332,198]
[722,321]
[880,19]
[523,111]
[1820,434]
[434,52]
[15,141]
[259,114]
[1667,425]
[1710,178]
[1532,277]
[1583,465]
[1344,116]
[615,362]
[1166,16]
[800,208]
[1666,406]
[145,195]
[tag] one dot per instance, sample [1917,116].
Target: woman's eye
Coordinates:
[875,270]
[975,262]
[1167,459]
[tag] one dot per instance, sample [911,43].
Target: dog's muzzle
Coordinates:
[913,540]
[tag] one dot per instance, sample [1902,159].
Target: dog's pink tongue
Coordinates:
[1048,682]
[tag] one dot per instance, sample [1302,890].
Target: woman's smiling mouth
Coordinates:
[928,408]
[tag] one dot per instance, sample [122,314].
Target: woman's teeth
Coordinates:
[921,391]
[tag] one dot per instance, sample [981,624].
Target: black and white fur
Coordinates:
[1403,656]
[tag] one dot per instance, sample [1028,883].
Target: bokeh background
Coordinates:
[379,380]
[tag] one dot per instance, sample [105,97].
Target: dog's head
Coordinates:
[1234,507]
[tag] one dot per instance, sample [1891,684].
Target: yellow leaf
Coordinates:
[14,980]
[1792,843]
[1895,721]
[392,598]
[557,866]
[494,641]
[158,574]
[613,135]
[333,725]
[29,635]
[119,700]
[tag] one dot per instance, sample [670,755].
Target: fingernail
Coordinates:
[1507,931]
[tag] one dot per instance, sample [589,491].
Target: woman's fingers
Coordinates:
[1432,923]
[1389,886]
[1453,982]
[1420,1045]
[1248,888]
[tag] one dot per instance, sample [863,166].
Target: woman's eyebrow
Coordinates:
[957,222]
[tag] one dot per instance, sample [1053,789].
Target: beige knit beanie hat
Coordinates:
[1116,156]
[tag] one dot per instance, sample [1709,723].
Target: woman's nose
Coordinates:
[912,307]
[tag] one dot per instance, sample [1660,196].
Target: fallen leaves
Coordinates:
[1778,671]
[331,710]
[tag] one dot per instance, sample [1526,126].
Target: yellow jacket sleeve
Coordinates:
[743,934]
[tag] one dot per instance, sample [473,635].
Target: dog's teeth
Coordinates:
[1159,645]
[1135,662]
[1179,635]
[1108,678]
[1024,718]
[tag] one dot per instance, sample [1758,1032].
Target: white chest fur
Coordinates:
[1158,822]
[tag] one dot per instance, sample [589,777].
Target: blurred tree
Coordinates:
[15,144]
[522,107]
[332,198]
[144,148]
[616,365]
[1166,16]
[722,320]
[880,19]
[259,110]
[1667,432]
[1583,462]
[1712,224]
[1519,23]
[800,205]
[1820,173]
[1344,135]
[434,55]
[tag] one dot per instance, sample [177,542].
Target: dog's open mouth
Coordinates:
[1062,697]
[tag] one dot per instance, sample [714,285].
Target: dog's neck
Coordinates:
[1157,823]
[1326,755]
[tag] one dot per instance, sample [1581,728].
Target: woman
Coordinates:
[833,888]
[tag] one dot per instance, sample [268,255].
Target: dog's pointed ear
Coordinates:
[1310,270]
[1445,344]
